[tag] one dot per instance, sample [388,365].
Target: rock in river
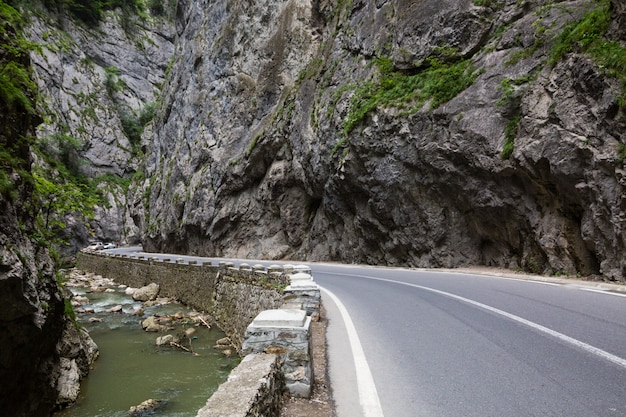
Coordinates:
[147,293]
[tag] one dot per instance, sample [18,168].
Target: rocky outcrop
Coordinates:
[290,128]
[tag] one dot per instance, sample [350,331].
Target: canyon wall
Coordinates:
[43,354]
[422,133]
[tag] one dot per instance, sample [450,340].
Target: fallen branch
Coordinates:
[204,322]
[178,345]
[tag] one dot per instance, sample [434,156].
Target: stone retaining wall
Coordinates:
[232,296]
[253,389]
[245,303]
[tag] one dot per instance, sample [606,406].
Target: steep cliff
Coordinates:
[99,80]
[43,354]
[403,132]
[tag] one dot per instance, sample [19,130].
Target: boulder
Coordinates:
[115,309]
[68,384]
[151,324]
[147,407]
[147,293]
[166,340]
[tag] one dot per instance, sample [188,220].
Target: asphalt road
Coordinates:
[443,344]
[406,343]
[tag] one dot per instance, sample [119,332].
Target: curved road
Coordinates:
[408,343]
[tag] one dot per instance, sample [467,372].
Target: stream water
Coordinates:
[132,369]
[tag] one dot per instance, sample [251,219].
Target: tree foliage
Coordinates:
[54,201]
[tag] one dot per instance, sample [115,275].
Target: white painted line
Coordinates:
[600,291]
[368,396]
[577,343]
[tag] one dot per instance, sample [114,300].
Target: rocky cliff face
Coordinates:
[42,353]
[423,132]
[99,84]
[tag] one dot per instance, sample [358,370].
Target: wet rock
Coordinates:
[68,383]
[79,300]
[152,324]
[166,340]
[224,341]
[225,346]
[147,293]
[115,309]
[146,408]
[77,353]
[157,302]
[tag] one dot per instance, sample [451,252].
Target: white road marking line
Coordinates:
[581,345]
[368,396]
[601,291]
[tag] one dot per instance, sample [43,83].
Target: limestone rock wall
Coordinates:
[252,154]
[95,84]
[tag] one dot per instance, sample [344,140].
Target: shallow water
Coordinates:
[132,369]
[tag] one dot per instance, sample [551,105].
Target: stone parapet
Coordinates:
[306,294]
[287,333]
[253,389]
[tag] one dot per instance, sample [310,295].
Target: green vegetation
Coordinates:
[311,70]
[589,35]
[15,82]
[621,152]
[437,83]
[18,94]
[90,12]
[54,200]
[253,143]
[510,132]
[112,82]
[17,89]
[133,123]
[488,3]
[509,86]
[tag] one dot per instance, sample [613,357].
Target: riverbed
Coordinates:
[132,368]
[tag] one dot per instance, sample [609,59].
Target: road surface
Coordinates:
[409,343]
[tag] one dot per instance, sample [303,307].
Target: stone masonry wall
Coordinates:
[259,379]
[237,303]
[232,296]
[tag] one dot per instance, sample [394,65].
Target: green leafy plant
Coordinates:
[15,85]
[54,200]
[112,82]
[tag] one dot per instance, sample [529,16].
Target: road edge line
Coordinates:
[368,395]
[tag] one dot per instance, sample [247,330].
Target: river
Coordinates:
[132,369]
